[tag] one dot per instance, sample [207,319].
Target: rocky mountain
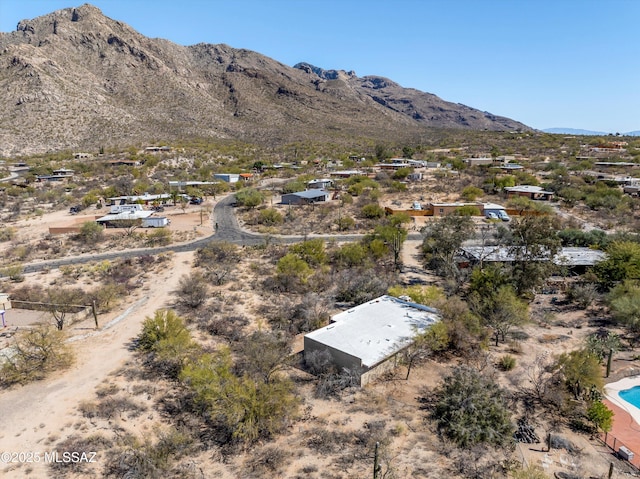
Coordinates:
[76,79]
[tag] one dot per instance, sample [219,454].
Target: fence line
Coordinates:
[613,443]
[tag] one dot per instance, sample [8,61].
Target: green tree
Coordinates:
[435,338]
[535,243]
[442,240]
[622,263]
[624,301]
[581,372]
[249,198]
[471,409]
[500,311]
[600,415]
[270,217]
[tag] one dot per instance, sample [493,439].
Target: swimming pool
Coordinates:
[625,394]
[632,396]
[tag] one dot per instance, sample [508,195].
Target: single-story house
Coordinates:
[444,209]
[508,167]
[305,197]
[366,339]
[571,257]
[320,184]
[528,191]
[145,198]
[123,162]
[183,184]
[346,173]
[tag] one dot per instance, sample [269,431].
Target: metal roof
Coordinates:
[570,256]
[309,194]
[375,330]
[527,189]
[125,215]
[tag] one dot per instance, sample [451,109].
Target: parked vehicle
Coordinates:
[74,210]
[416,206]
[492,216]
[195,200]
[504,216]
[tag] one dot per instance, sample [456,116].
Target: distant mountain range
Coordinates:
[574,131]
[76,79]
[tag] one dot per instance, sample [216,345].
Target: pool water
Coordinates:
[632,396]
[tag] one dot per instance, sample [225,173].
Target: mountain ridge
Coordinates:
[75,78]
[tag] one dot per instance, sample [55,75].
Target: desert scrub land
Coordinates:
[197,369]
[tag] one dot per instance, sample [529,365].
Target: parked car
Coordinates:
[195,200]
[74,210]
[504,216]
[492,216]
[416,206]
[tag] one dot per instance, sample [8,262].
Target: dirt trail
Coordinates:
[41,410]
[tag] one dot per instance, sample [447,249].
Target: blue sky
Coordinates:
[546,63]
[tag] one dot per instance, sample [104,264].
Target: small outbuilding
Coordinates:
[305,197]
[366,339]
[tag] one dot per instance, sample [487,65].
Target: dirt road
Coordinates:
[37,411]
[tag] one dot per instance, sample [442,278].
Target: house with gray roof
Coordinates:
[366,339]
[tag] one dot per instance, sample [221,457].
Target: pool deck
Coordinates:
[626,419]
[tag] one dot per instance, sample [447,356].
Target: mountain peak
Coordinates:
[77,79]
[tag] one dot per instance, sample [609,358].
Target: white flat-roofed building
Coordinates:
[367,338]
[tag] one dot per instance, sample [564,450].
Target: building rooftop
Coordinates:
[570,256]
[310,193]
[527,189]
[375,330]
[145,197]
[125,215]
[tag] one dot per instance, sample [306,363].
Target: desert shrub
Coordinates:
[219,259]
[91,233]
[359,286]
[7,233]
[15,272]
[470,193]
[241,409]
[372,211]
[35,354]
[312,251]
[270,217]
[159,237]
[471,409]
[507,362]
[168,342]
[137,458]
[249,198]
[292,272]
[76,443]
[350,255]
[268,461]
[192,290]
[345,223]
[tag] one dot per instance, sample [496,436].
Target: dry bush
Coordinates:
[35,354]
[328,441]
[268,462]
[94,443]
